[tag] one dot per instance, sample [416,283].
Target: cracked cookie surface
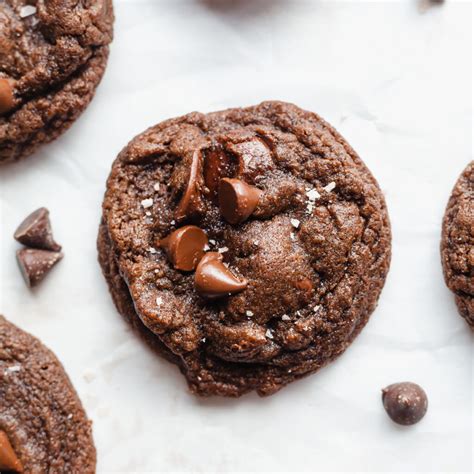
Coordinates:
[40,412]
[53,54]
[457,245]
[314,251]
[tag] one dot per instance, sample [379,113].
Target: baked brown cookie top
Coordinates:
[43,427]
[52,56]
[457,245]
[297,232]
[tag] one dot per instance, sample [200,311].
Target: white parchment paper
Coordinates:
[397,84]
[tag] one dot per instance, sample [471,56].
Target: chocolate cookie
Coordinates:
[247,246]
[457,245]
[53,54]
[43,427]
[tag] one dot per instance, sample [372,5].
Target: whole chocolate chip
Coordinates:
[185,247]
[35,264]
[9,461]
[214,280]
[237,200]
[406,403]
[7,100]
[35,231]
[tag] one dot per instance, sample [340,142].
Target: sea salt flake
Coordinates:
[249,313]
[285,317]
[223,249]
[156,187]
[146,203]
[13,368]
[69,417]
[295,223]
[27,10]
[292,236]
[256,242]
[212,242]
[206,248]
[159,300]
[203,339]
[152,250]
[269,334]
[330,187]
[313,195]
[316,308]
[173,222]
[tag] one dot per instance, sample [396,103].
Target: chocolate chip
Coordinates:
[237,200]
[35,264]
[185,247]
[406,403]
[8,459]
[214,280]
[35,231]
[7,100]
[254,156]
[190,201]
[217,165]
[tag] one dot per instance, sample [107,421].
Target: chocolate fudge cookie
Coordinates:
[247,246]
[43,427]
[457,245]
[53,54]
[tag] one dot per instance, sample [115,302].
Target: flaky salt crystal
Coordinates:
[27,10]
[147,203]
[330,187]
[295,223]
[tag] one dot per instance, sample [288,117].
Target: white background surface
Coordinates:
[397,84]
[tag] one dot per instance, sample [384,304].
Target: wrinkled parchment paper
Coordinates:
[397,84]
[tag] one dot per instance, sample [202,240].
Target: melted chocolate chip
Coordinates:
[254,155]
[185,247]
[35,264]
[237,200]
[214,280]
[7,100]
[35,231]
[9,461]
[217,165]
[406,403]
[191,200]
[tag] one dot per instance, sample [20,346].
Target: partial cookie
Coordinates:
[457,245]
[53,54]
[43,427]
[247,246]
